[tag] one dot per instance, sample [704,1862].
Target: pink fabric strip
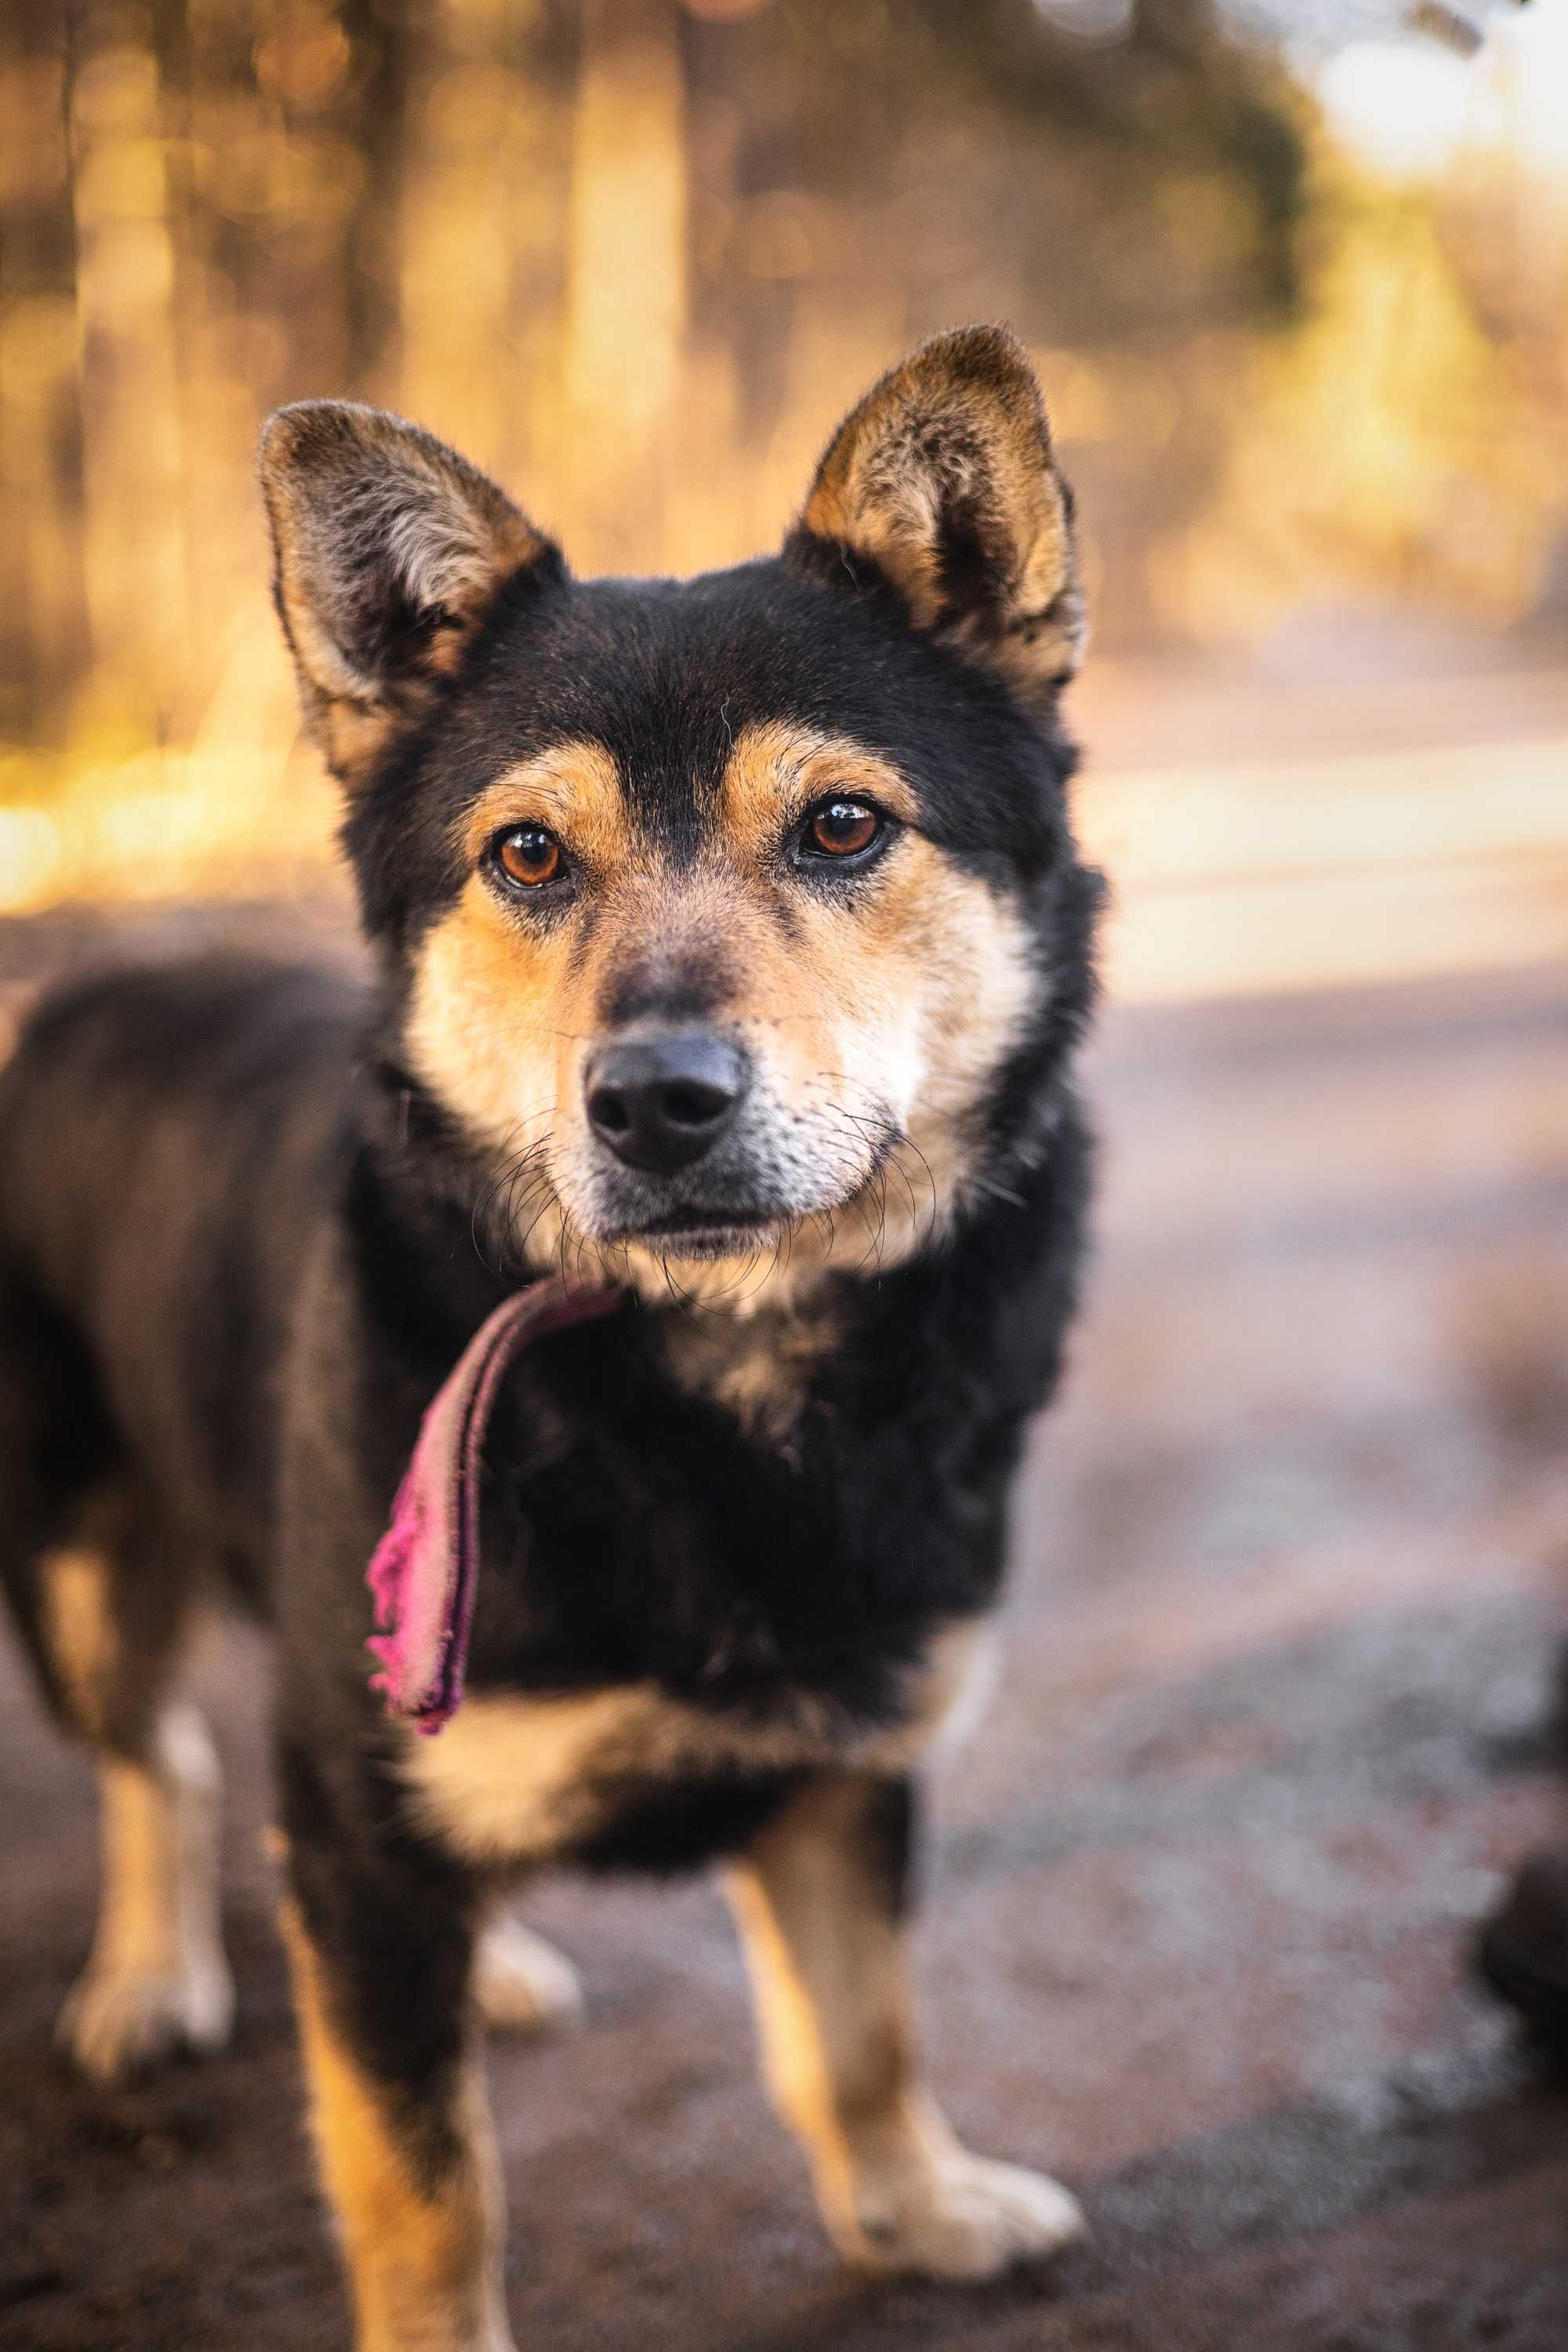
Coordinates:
[424,1572]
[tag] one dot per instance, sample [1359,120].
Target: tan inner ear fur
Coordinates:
[334,475]
[872,1025]
[961,430]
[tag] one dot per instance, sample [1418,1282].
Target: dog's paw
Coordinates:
[117,2019]
[962,2217]
[522,1984]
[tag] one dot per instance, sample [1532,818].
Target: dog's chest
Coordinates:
[756,1368]
[518,1779]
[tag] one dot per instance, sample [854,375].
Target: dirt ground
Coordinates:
[1275,1715]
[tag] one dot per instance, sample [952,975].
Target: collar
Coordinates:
[423,1574]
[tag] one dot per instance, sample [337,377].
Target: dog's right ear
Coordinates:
[388,550]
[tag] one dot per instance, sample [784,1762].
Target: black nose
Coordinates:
[660,1103]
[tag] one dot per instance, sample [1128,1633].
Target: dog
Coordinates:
[728,952]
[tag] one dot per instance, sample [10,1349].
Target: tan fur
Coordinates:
[877,1027]
[157,1978]
[489,1023]
[831,1991]
[351,734]
[510,1779]
[424,2264]
[840,2052]
[777,771]
[959,430]
[80,1631]
[572,788]
[756,1366]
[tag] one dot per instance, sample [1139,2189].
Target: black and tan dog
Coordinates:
[730,948]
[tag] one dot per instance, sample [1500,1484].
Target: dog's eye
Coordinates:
[530,854]
[841,828]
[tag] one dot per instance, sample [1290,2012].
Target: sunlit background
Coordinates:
[1295,277]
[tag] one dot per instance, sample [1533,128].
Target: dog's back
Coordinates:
[164,1133]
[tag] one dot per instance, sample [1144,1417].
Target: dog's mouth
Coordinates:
[702,1231]
[736,1213]
[745,1203]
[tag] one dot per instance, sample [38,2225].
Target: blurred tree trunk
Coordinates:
[474,162]
[131,440]
[626,283]
[42,618]
[380,39]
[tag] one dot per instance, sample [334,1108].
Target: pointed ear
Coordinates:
[388,548]
[944,482]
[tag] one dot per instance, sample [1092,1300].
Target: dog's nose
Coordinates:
[659,1103]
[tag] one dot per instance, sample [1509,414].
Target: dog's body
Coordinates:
[732,951]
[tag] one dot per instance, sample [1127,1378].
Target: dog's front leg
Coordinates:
[381,1981]
[820,1899]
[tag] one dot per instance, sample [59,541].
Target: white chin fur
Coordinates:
[735,1245]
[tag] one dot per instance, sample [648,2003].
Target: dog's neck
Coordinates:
[758,1366]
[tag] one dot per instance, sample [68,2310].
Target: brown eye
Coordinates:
[842,828]
[530,854]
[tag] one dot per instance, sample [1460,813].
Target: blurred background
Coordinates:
[1296,277]
[1292,1557]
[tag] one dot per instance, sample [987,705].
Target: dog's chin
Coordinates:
[705,1239]
[742,1250]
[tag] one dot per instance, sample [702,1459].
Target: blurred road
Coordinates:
[1291,1575]
[1291,833]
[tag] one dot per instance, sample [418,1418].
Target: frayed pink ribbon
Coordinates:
[424,1572]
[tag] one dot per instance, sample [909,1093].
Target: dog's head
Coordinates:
[733,923]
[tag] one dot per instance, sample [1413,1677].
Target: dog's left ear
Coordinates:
[388,550]
[942,482]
